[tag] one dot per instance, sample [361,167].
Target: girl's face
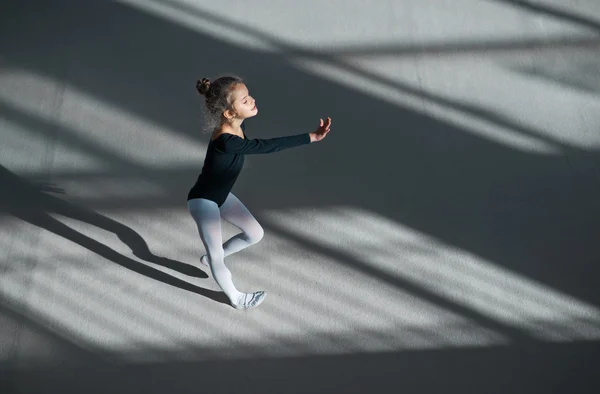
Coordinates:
[243,104]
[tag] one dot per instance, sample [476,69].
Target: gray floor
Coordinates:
[443,238]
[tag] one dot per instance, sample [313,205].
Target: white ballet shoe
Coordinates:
[250,300]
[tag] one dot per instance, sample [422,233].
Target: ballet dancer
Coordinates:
[227,104]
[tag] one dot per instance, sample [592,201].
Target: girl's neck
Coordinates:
[235,127]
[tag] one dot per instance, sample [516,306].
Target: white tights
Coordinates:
[207,215]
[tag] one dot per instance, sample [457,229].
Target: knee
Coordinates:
[256,234]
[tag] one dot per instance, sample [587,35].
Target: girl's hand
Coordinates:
[321,132]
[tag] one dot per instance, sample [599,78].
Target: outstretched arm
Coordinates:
[233,144]
[236,145]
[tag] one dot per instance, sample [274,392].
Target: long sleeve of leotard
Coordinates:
[229,143]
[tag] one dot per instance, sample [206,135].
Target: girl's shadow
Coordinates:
[31,203]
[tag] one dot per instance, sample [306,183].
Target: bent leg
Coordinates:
[236,213]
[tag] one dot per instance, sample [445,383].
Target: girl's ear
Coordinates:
[228,114]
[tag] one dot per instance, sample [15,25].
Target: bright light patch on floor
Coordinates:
[85,126]
[456,275]
[317,303]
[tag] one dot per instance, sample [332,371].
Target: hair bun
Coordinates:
[203,86]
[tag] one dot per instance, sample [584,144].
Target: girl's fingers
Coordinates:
[325,126]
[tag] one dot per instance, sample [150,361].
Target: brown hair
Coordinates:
[218,98]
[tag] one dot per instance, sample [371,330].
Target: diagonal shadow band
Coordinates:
[553,12]
[28,203]
[460,48]
[287,50]
[515,334]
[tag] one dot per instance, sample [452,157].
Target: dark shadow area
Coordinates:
[40,344]
[534,214]
[488,47]
[555,12]
[32,203]
[538,368]
[582,73]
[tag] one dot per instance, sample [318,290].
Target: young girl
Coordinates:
[228,104]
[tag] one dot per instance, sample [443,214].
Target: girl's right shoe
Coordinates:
[250,300]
